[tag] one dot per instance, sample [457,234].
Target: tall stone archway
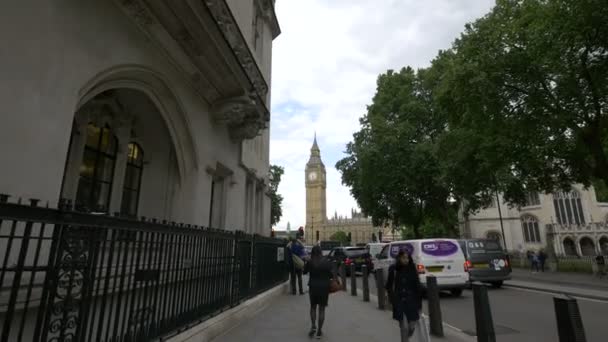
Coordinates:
[587,246]
[569,246]
[121,157]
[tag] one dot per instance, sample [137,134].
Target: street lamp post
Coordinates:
[502,228]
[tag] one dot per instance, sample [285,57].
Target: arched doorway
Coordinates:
[603,245]
[587,246]
[569,247]
[121,157]
[494,235]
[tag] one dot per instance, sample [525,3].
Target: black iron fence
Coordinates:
[71,276]
[561,263]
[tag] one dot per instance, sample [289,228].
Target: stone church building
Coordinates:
[138,107]
[572,223]
[318,226]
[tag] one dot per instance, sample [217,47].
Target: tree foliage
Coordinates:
[276,200]
[391,166]
[518,104]
[341,237]
[527,96]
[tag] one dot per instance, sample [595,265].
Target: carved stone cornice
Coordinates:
[138,11]
[204,41]
[232,33]
[267,7]
[241,115]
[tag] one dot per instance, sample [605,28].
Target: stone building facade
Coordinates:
[572,223]
[318,226]
[144,108]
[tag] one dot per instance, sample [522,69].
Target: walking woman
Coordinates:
[405,291]
[318,284]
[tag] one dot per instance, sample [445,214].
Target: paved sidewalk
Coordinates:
[582,280]
[574,284]
[347,318]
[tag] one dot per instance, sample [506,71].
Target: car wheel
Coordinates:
[497,284]
[456,292]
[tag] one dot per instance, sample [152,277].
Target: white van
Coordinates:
[374,248]
[442,258]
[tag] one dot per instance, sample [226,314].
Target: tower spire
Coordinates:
[315,146]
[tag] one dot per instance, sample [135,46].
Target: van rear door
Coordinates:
[487,256]
[442,258]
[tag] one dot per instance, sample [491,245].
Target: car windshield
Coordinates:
[483,246]
[355,252]
[375,249]
[404,246]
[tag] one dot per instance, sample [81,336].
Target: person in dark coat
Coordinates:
[295,247]
[542,258]
[405,291]
[321,274]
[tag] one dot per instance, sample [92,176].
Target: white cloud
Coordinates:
[325,65]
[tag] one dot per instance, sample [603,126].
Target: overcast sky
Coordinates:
[325,65]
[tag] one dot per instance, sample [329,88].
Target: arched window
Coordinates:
[132,184]
[569,247]
[97,170]
[532,198]
[568,208]
[492,235]
[530,228]
[587,246]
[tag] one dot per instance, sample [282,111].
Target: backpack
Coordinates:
[298,263]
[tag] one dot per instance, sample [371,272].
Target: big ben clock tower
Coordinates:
[315,195]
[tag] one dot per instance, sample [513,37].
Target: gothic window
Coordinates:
[568,208]
[490,203]
[531,229]
[132,184]
[97,169]
[216,210]
[532,198]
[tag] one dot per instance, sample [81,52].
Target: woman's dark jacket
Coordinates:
[320,275]
[405,291]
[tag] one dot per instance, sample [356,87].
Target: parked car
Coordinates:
[374,249]
[441,258]
[486,261]
[349,255]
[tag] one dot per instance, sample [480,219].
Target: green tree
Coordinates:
[391,165]
[341,237]
[276,200]
[526,90]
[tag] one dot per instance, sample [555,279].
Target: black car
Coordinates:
[349,255]
[486,261]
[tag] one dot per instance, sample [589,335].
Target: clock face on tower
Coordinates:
[312,176]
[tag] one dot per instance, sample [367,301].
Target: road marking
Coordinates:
[551,293]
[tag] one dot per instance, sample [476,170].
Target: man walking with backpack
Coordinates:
[297,252]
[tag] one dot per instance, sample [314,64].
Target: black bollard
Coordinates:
[343,276]
[483,314]
[569,321]
[380,288]
[353,280]
[435,320]
[365,283]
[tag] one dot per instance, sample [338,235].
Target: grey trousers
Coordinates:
[404,329]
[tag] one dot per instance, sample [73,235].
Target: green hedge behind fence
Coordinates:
[564,264]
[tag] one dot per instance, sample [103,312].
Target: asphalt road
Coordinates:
[519,315]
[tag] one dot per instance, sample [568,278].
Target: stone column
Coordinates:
[75,155]
[577,245]
[122,130]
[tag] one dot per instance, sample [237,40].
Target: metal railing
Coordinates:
[71,276]
[562,263]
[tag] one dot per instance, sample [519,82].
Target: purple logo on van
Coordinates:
[439,248]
